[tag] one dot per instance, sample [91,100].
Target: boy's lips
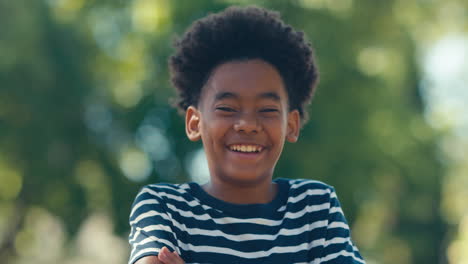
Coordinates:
[246,150]
[246,147]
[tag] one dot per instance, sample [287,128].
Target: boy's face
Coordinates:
[243,121]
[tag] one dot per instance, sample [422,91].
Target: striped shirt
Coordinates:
[304,223]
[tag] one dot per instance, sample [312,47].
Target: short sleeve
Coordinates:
[150,226]
[338,246]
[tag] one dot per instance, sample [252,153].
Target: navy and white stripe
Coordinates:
[303,224]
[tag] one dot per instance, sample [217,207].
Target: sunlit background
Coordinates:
[85,122]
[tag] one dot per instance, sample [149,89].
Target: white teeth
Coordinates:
[246,148]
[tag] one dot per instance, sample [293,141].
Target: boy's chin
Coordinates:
[247,178]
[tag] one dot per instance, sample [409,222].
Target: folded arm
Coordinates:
[165,257]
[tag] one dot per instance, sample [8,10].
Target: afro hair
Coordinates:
[243,33]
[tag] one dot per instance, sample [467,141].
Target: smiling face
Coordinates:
[243,120]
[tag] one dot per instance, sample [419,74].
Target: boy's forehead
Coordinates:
[254,79]
[220,95]
[211,94]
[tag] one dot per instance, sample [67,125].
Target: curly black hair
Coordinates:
[242,33]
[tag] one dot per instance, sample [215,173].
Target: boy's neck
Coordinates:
[256,193]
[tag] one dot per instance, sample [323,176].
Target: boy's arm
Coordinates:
[339,248]
[151,228]
[149,260]
[166,255]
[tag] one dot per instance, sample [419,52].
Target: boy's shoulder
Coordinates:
[182,192]
[294,185]
[163,190]
[164,186]
[307,192]
[301,185]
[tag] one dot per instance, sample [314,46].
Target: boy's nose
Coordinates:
[248,123]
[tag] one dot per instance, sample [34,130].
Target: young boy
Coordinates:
[243,78]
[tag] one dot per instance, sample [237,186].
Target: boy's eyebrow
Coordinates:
[268,95]
[225,95]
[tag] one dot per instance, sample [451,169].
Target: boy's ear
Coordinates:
[192,123]
[294,125]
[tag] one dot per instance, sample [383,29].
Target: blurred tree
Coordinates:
[84,117]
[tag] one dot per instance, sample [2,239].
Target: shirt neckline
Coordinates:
[244,210]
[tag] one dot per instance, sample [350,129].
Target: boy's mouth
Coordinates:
[245,148]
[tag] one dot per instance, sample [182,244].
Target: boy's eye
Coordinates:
[269,110]
[225,109]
